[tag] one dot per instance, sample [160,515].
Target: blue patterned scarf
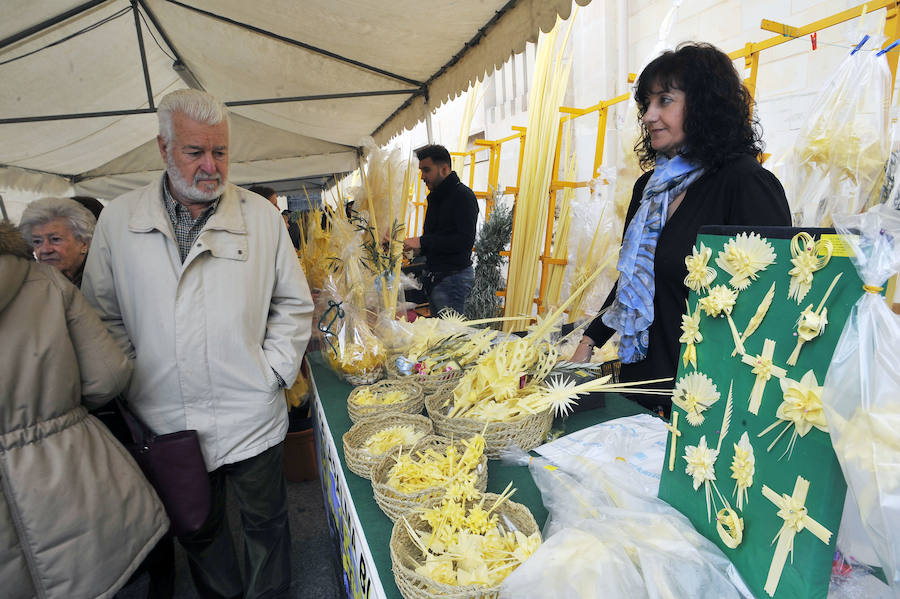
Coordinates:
[632,311]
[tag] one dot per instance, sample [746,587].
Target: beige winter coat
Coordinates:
[76,515]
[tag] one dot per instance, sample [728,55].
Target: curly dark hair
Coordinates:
[719,123]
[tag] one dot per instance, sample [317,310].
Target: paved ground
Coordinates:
[316,569]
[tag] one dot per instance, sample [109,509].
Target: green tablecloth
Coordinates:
[377,527]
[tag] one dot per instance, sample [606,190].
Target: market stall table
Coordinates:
[362,530]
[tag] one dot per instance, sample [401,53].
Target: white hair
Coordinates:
[195,104]
[40,212]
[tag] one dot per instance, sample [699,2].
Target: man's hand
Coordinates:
[411,243]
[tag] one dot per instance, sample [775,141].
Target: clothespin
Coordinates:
[860,44]
[814,39]
[889,48]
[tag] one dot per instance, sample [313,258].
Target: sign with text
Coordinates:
[361,579]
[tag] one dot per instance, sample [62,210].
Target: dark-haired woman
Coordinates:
[702,141]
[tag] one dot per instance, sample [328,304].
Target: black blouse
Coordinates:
[739,193]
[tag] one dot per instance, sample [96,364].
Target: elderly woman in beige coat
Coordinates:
[76,514]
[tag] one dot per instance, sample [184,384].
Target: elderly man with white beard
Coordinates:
[198,280]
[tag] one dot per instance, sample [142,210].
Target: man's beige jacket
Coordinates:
[205,334]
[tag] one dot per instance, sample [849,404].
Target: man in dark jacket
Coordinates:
[448,233]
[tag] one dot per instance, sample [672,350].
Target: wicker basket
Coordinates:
[394,503]
[361,461]
[526,432]
[430,382]
[412,405]
[366,377]
[404,552]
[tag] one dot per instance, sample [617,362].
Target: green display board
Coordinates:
[807,574]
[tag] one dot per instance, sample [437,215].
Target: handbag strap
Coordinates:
[142,434]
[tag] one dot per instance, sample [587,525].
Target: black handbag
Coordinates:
[173,464]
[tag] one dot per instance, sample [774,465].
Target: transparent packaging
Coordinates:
[609,535]
[594,238]
[838,160]
[860,395]
[350,345]
[890,189]
[852,580]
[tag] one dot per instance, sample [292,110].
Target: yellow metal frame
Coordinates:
[494,147]
[750,52]
[569,114]
[415,202]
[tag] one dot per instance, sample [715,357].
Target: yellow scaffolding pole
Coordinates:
[547,261]
[750,51]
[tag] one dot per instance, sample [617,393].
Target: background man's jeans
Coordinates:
[452,291]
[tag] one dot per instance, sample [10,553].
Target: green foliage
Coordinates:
[377,257]
[494,236]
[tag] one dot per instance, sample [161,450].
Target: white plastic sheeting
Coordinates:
[417,48]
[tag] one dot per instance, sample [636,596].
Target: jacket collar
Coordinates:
[449,182]
[150,214]
[224,235]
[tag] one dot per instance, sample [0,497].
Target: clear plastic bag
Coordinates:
[853,580]
[608,535]
[594,236]
[838,160]
[861,392]
[350,345]
[890,189]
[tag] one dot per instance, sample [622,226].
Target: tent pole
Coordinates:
[428,130]
[87,115]
[49,23]
[140,40]
[160,30]
[428,125]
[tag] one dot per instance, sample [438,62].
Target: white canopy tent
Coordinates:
[305,80]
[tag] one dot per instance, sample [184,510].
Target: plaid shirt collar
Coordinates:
[185,227]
